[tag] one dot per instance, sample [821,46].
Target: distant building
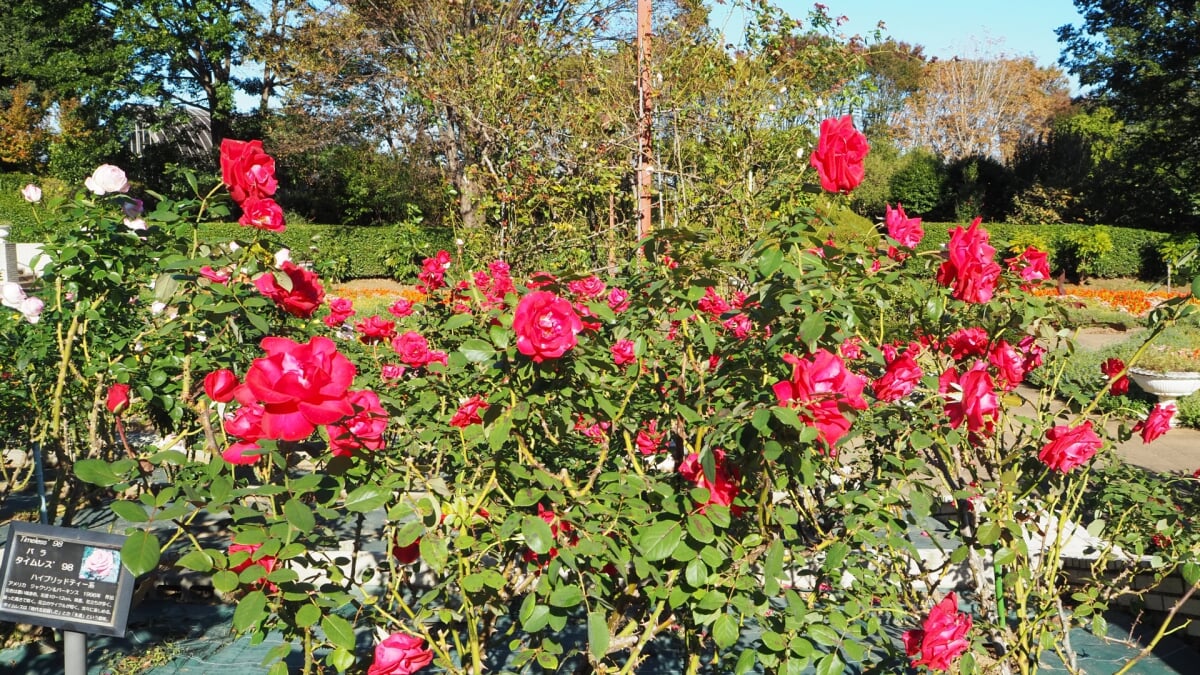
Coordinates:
[187,129]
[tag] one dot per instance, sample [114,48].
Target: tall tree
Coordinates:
[1143,59]
[981,107]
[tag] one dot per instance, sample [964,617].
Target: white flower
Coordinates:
[233,246]
[13,294]
[32,309]
[158,307]
[137,224]
[32,193]
[281,256]
[107,178]
[201,337]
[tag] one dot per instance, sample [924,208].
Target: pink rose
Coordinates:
[546,326]
[220,385]
[1009,363]
[242,453]
[247,170]
[1031,265]
[623,352]
[907,231]
[363,430]
[970,268]
[618,300]
[468,413]
[300,386]
[650,439]
[117,400]
[433,271]
[105,179]
[213,275]
[1157,423]
[841,151]
[713,304]
[971,398]
[31,193]
[401,308]
[901,378]
[263,214]
[587,289]
[391,371]
[1068,447]
[374,330]
[245,423]
[722,489]
[822,390]
[941,638]
[302,299]
[413,349]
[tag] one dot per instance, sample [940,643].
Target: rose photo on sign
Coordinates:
[100,564]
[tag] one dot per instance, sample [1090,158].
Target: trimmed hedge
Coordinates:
[343,252]
[1133,253]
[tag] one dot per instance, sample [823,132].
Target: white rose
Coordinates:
[13,294]
[32,193]
[281,256]
[158,307]
[107,178]
[137,224]
[32,309]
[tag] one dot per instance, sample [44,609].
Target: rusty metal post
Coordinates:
[645,122]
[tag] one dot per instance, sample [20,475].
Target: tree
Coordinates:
[981,107]
[895,71]
[1143,58]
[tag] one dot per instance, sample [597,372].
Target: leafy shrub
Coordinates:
[920,183]
[1085,249]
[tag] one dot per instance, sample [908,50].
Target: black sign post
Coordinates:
[68,579]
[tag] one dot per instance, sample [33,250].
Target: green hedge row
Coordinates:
[344,252]
[1133,253]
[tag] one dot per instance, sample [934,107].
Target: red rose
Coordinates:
[220,385]
[242,453]
[1009,363]
[362,430]
[967,342]
[1112,368]
[1031,351]
[713,304]
[375,329]
[546,326]
[433,271]
[839,156]
[941,638]
[400,654]
[1031,265]
[213,275]
[414,350]
[118,398]
[1157,423]
[822,390]
[302,299]
[618,300]
[971,398]
[263,214]
[246,170]
[401,308]
[407,555]
[587,289]
[650,439]
[907,231]
[970,268]
[468,413]
[899,381]
[245,423]
[723,487]
[1068,447]
[267,562]
[301,386]
[623,352]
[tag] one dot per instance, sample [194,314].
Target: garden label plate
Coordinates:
[65,578]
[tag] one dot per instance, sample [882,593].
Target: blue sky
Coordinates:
[947,27]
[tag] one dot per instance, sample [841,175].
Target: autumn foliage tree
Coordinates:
[22,133]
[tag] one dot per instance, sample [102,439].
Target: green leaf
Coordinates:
[920,503]
[659,541]
[96,472]
[836,555]
[566,596]
[225,581]
[258,322]
[769,261]
[299,515]
[701,528]
[598,636]
[131,511]
[830,664]
[367,498]
[457,321]
[1191,573]
[434,552]
[823,635]
[725,631]
[341,659]
[538,536]
[812,329]
[140,553]
[307,615]
[199,561]
[536,619]
[477,351]
[988,534]
[696,573]
[773,568]
[338,631]
[250,611]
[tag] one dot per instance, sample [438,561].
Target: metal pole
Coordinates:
[74,653]
[43,516]
[645,121]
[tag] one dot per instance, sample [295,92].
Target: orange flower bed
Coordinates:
[376,296]
[1133,301]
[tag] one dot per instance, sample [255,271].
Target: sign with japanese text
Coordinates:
[65,578]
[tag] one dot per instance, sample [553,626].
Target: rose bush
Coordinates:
[692,451]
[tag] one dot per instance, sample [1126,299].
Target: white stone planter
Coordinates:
[1167,386]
